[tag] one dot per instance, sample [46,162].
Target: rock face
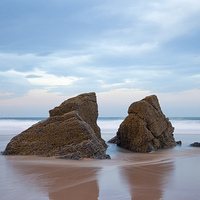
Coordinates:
[146,128]
[70,132]
[85,105]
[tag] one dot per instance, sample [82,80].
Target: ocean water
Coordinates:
[108,125]
[186,125]
[13,126]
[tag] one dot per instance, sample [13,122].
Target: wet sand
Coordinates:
[169,174]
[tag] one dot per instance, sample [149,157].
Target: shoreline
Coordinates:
[130,177]
[127,175]
[119,157]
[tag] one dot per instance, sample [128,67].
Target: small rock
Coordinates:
[195,144]
[179,143]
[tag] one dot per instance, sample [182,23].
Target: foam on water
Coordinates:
[182,125]
[108,125]
[16,125]
[186,125]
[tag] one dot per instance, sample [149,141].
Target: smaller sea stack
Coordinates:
[146,128]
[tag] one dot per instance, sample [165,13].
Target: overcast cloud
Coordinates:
[59,48]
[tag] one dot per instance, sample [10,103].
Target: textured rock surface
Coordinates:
[146,128]
[63,134]
[85,105]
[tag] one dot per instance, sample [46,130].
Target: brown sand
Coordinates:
[148,181]
[155,176]
[58,180]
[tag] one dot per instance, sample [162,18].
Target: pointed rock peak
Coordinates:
[86,106]
[153,100]
[149,101]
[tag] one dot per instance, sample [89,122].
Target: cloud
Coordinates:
[19,83]
[184,103]
[144,29]
[18,62]
[119,49]
[111,103]
[33,76]
[173,18]
[116,102]
[70,74]
[71,47]
[5,94]
[68,25]
[35,103]
[27,62]
[13,84]
[44,79]
[179,104]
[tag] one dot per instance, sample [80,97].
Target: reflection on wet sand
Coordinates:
[148,181]
[60,181]
[73,183]
[167,174]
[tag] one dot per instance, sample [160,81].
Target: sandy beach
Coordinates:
[165,174]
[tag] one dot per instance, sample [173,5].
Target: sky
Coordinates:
[122,50]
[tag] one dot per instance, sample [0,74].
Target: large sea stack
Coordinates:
[146,128]
[70,132]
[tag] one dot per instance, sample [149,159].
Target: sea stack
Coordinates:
[70,132]
[146,128]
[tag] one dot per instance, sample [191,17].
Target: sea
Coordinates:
[186,129]
[11,126]
[15,125]
[169,174]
